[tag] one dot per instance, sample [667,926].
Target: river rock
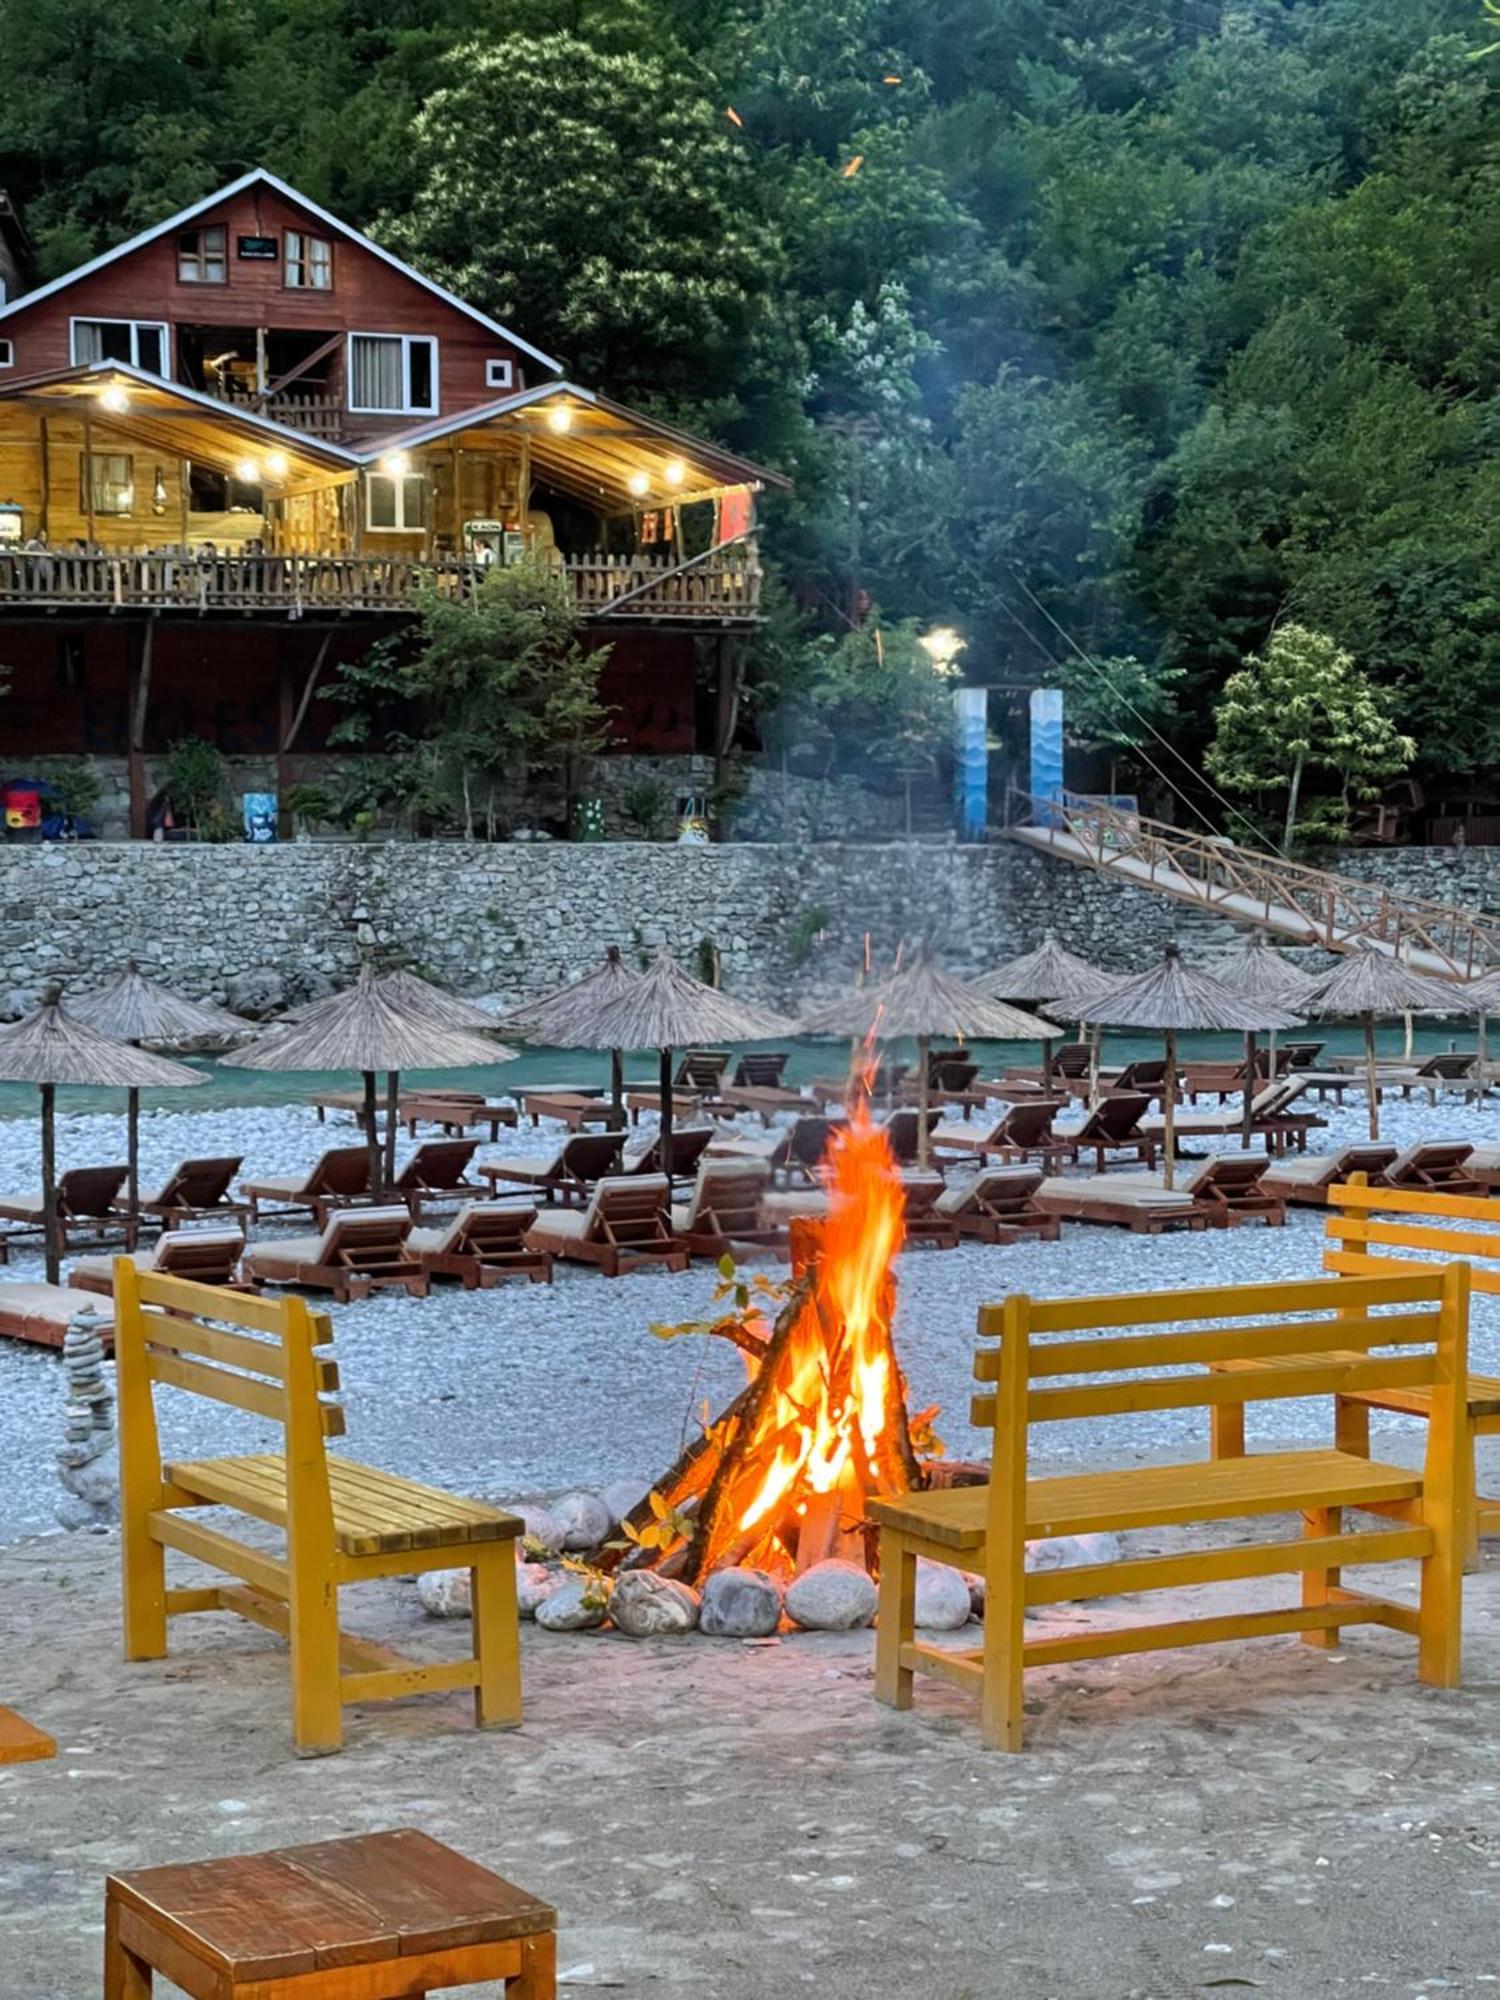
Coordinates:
[647,1606]
[19,1001]
[620,1496]
[1069,1551]
[583,1519]
[446,1593]
[578,1604]
[942,1598]
[256,993]
[535,1583]
[740,1604]
[542,1525]
[832,1596]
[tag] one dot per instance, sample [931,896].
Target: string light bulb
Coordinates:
[560,418]
[246,471]
[638,484]
[676,472]
[395,464]
[276,464]
[114,399]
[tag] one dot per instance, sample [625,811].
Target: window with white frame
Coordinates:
[307,262]
[498,375]
[396,504]
[141,342]
[108,482]
[393,374]
[202,256]
[7,354]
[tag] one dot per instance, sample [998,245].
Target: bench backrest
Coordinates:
[1367,1228]
[1114,1117]
[629,1208]
[726,1195]
[587,1155]
[201,1183]
[342,1171]
[761,1070]
[702,1069]
[1428,1156]
[209,1255]
[438,1164]
[89,1191]
[252,1354]
[1133,1348]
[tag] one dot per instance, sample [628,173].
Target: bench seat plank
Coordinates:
[1158,1496]
[374,1512]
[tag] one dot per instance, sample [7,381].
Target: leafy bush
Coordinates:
[644,805]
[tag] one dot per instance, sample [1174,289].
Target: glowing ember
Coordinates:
[782,1478]
[853,167]
[734,117]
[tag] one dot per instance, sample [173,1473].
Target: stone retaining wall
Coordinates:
[516,919]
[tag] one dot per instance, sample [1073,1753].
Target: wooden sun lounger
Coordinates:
[999,1206]
[1069,1060]
[1116,1125]
[455,1112]
[689,1144]
[1024,1130]
[724,1209]
[207,1256]
[1102,1198]
[1438,1165]
[684,1106]
[573,1108]
[626,1225]
[796,1152]
[438,1172]
[1228,1187]
[341,1175]
[483,1245]
[86,1210]
[570,1172]
[925,1221]
[766,1100]
[1306,1180]
[902,1131]
[40,1314]
[762,1070]
[359,1249]
[196,1189]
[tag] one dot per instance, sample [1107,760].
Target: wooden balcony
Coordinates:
[319,416]
[719,589]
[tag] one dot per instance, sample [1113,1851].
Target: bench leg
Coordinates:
[1319,1584]
[1226,1430]
[317,1704]
[538,1975]
[1351,1427]
[497,1640]
[896,1620]
[126,1977]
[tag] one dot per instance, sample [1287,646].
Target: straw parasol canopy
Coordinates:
[53,1046]
[666,1008]
[412,995]
[364,1029]
[1257,971]
[921,1001]
[1040,975]
[132,1008]
[1370,985]
[1170,997]
[568,1018]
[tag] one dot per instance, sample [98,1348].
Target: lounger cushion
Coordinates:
[1002,1184]
[560,1227]
[1111,1190]
[526,1166]
[967,1138]
[719,1180]
[1190,1176]
[21,1207]
[49,1306]
[450,1239]
[794,1203]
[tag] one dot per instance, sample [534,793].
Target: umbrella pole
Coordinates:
[372,1135]
[392,1100]
[1370,1076]
[49,1183]
[1094,1034]
[1410,1043]
[1248,1118]
[1169,1113]
[924,1143]
[1483,1056]
[664,1141]
[1046,1066]
[617,1090]
[133,1153]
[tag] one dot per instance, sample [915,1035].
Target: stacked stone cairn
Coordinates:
[86,1460]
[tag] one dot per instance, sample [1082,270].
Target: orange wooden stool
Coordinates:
[384,1916]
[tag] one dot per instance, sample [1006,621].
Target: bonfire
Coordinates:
[781,1479]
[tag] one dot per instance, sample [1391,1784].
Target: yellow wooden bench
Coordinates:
[342,1523]
[987,1528]
[21,1742]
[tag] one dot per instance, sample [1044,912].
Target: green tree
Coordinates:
[1301,706]
[1113,705]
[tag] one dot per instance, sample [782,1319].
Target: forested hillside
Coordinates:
[1132,329]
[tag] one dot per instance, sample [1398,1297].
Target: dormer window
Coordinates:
[202,255]
[309,262]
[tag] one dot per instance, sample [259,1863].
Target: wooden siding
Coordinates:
[367,296]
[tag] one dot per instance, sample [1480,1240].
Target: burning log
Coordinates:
[782,1477]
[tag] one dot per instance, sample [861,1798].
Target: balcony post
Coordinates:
[140,694]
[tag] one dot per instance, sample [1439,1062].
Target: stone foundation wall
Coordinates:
[786,921]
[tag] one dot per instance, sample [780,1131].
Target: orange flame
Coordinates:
[826,1423]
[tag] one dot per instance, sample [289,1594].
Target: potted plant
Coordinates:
[644,805]
[197,782]
[75,789]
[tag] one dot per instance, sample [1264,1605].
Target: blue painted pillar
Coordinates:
[1046,750]
[971,761]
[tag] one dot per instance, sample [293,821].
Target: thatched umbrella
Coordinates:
[362,1028]
[1367,985]
[1065,1006]
[1482,998]
[53,1046]
[665,1008]
[1039,975]
[920,1002]
[1170,997]
[132,1008]
[568,1016]
[1257,971]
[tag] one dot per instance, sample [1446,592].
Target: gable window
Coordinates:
[7,354]
[141,342]
[108,482]
[498,375]
[393,373]
[309,262]
[201,255]
[396,505]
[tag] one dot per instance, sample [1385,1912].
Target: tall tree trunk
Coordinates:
[1291,806]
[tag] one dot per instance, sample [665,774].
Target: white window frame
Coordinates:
[303,262]
[135,325]
[407,408]
[7,354]
[200,255]
[499,374]
[400,526]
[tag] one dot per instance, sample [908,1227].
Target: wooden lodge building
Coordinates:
[233,448]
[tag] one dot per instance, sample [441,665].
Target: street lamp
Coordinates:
[942,645]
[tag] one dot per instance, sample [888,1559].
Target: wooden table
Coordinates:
[21,1742]
[383,1916]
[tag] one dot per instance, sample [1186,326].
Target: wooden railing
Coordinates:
[723,589]
[1339,912]
[319,416]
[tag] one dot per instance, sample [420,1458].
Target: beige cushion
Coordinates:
[995,1183]
[794,1203]
[1111,1190]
